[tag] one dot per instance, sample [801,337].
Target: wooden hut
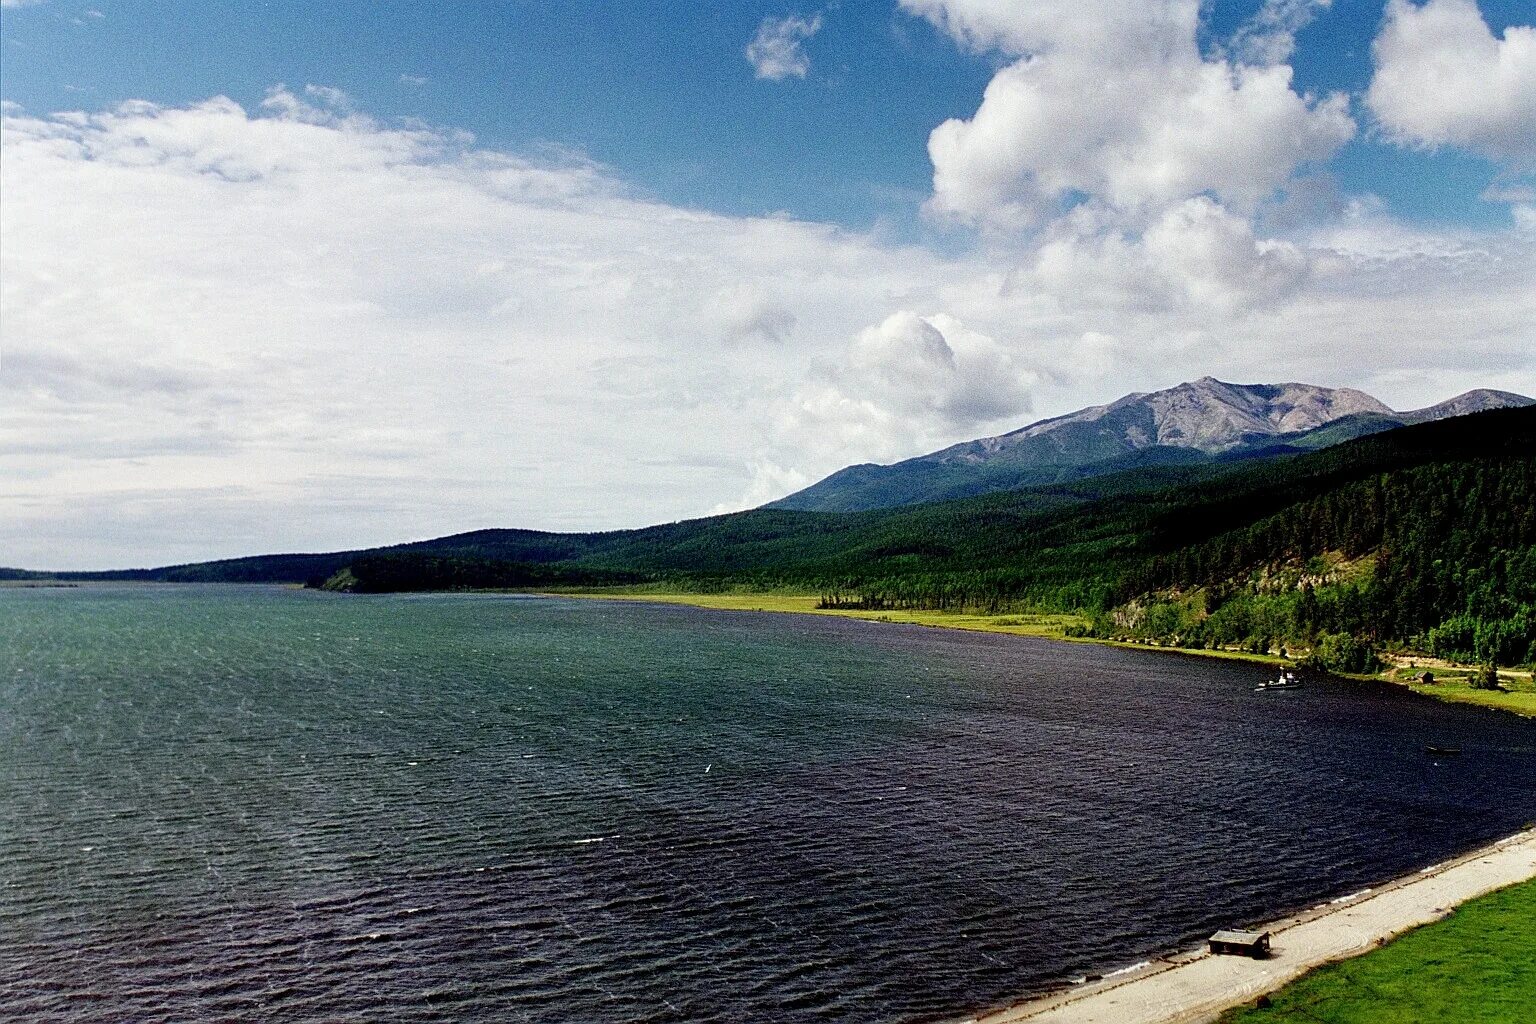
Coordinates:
[1230,942]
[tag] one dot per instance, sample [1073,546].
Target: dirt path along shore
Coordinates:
[1196,987]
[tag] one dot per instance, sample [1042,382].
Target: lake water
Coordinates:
[255,804]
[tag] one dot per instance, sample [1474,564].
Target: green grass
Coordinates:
[1476,967]
[1050,625]
[1521,702]
[1518,696]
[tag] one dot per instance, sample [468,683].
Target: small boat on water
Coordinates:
[1285,681]
[1434,751]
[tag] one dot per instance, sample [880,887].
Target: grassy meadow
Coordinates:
[1477,966]
[1046,625]
[1518,694]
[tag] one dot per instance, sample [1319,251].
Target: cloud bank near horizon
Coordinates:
[303,327]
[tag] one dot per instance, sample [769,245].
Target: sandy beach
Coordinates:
[1196,986]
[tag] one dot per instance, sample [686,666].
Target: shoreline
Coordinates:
[1192,986]
[1044,626]
[1195,987]
[970,622]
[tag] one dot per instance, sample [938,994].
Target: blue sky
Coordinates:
[296,276]
[668,100]
[661,92]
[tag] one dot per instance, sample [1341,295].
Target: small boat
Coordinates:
[1285,681]
[1434,751]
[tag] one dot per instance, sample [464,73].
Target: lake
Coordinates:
[259,804]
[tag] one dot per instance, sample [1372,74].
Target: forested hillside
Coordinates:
[1423,536]
[1442,557]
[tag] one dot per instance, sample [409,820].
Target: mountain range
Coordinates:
[1201,421]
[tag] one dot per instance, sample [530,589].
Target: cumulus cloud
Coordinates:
[1115,101]
[907,383]
[1195,255]
[920,367]
[777,51]
[1019,29]
[1443,79]
[1125,166]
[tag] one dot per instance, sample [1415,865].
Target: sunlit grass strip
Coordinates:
[1521,698]
[1017,624]
[1476,967]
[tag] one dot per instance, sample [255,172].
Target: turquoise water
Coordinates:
[256,804]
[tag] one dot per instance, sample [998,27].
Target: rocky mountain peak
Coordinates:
[1213,415]
[1199,420]
[1208,414]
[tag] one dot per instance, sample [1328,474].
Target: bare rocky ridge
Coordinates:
[1212,415]
[1198,421]
[1479,400]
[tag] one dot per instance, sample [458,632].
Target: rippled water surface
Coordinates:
[253,804]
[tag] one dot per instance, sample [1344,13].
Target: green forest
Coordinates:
[1423,537]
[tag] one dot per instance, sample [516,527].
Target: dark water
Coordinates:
[227,804]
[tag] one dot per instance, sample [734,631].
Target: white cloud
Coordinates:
[750,312]
[914,366]
[415,81]
[777,51]
[1505,192]
[229,331]
[1115,101]
[1194,255]
[1025,28]
[770,482]
[907,384]
[1269,37]
[1443,79]
[276,307]
[1213,257]
[327,96]
[20,3]
[1127,165]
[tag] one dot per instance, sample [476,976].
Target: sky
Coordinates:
[287,276]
